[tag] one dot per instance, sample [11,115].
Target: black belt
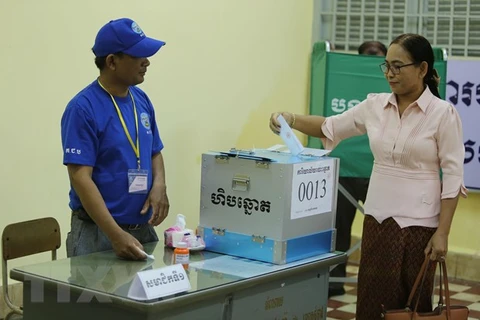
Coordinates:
[83,215]
[131,227]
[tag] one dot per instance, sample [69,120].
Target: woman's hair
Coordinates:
[420,50]
[372,47]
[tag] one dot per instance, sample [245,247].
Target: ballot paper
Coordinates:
[289,138]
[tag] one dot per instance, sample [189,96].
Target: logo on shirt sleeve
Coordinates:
[145,119]
[73,151]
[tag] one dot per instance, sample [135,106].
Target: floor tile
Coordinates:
[474,306]
[352,269]
[457,287]
[349,287]
[352,308]
[348,298]
[337,314]
[353,292]
[335,304]
[474,290]
[466,297]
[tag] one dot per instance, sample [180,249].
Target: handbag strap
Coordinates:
[421,284]
[420,276]
[440,298]
[443,266]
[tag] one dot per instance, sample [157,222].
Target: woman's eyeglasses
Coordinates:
[385,67]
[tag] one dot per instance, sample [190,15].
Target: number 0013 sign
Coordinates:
[312,188]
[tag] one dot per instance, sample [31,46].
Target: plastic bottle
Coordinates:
[181,254]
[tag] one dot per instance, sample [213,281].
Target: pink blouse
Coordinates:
[409,152]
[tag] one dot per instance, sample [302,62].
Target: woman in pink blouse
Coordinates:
[409,207]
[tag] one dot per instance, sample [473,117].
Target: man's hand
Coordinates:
[158,200]
[126,246]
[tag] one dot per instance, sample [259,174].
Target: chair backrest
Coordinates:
[30,237]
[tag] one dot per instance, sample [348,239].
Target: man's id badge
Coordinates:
[137,181]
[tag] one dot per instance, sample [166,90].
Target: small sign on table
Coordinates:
[158,283]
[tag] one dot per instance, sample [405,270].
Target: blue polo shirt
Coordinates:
[92,135]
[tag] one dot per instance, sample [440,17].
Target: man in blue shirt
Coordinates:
[112,150]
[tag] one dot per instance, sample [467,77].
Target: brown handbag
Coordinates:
[441,312]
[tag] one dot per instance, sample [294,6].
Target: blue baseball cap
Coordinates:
[124,35]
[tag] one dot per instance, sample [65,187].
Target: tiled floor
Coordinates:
[461,293]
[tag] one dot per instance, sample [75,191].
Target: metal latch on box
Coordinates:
[218,231]
[240,182]
[262,164]
[259,239]
[221,159]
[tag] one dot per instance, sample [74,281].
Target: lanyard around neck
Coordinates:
[136,148]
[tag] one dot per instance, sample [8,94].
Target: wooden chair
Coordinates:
[26,238]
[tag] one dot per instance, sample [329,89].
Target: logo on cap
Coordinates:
[136,28]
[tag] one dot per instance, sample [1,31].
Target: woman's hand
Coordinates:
[437,246]
[275,125]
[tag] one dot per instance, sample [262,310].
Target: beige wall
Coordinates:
[226,66]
